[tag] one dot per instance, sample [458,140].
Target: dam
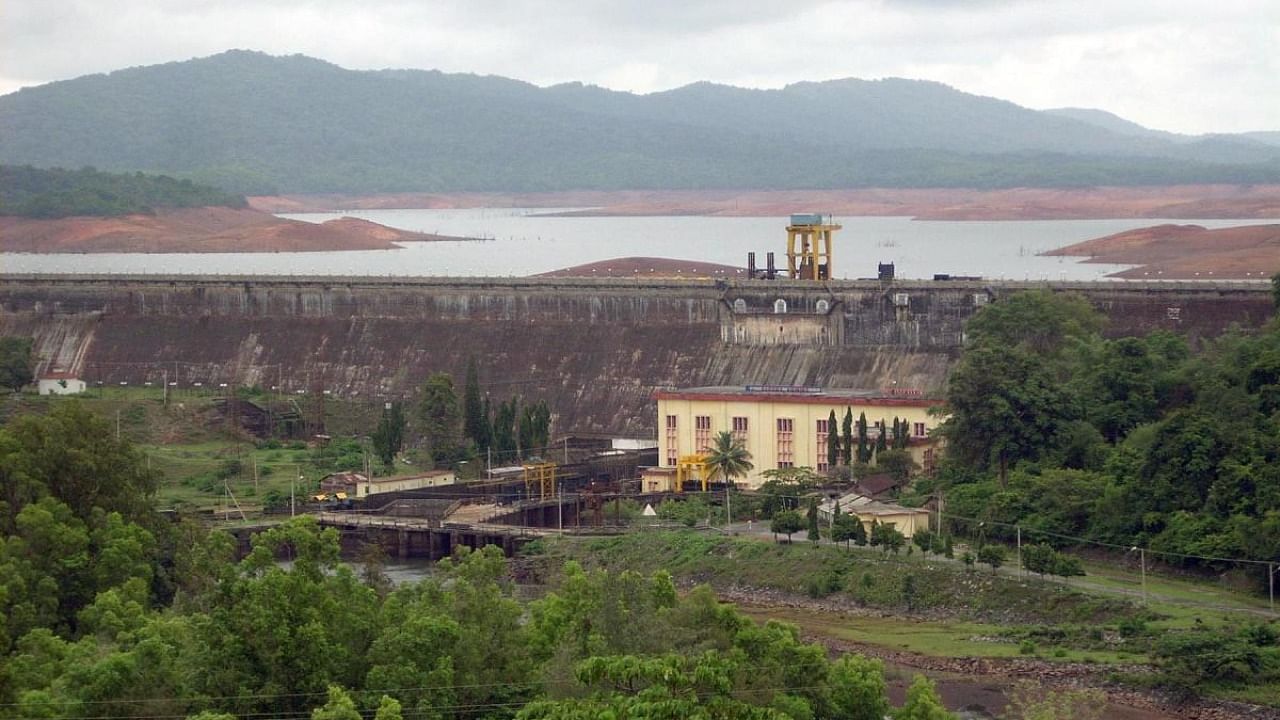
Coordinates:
[594,349]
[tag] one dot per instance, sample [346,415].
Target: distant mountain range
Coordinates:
[253,123]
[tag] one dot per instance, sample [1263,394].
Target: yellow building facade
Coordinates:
[784,426]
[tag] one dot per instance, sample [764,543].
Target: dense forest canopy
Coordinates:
[110,611]
[1132,441]
[258,124]
[37,193]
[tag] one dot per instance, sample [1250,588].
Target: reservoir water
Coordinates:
[527,241]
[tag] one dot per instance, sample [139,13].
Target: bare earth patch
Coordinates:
[196,230]
[1179,252]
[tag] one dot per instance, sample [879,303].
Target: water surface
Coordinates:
[525,241]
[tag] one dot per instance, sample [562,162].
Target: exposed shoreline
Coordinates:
[1186,252]
[200,230]
[1245,202]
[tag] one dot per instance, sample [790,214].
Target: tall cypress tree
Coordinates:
[833,442]
[882,440]
[475,420]
[504,433]
[846,452]
[864,448]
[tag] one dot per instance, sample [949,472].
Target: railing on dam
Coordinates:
[530,283]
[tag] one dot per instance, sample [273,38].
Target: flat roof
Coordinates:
[909,397]
[419,476]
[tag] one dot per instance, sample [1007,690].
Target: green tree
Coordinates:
[858,688]
[882,439]
[728,458]
[505,448]
[833,443]
[340,706]
[438,413]
[388,437]
[535,429]
[811,521]
[73,455]
[1005,407]
[992,555]
[924,539]
[388,709]
[846,434]
[898,463]
[15,362]
[787,522]
[845,527]
[922,702]
[864,445]
[475,423]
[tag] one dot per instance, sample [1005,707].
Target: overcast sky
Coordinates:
[1182,65]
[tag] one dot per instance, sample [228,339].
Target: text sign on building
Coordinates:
[783,389]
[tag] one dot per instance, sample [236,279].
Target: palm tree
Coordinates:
[727,458]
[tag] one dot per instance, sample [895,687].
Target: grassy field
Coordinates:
[935,638]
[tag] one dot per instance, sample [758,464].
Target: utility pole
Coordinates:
[164,389]
[293,490]
[560,508]
[1022,570]
[1271,585]
[1142,562]
[728,507]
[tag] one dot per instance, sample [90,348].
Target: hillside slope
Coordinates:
[258,124]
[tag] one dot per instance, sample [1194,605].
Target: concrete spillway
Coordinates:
[594,349]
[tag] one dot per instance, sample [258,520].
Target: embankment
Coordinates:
[595,350]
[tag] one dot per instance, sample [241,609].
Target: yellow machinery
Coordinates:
[809,239]
[692,467]
[544,476]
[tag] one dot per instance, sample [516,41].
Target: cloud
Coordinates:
[1179,65]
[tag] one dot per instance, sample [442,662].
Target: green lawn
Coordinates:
[934,638]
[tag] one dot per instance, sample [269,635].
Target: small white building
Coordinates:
[374,486]
[59,383]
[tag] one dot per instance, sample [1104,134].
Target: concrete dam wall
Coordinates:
[595,350]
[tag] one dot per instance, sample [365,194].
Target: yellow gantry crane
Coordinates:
[543,475]
[692,467]
[809,240]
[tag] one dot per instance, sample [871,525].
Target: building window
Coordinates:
[779,306]
[673,441]
[822,446]
[739,305]
[917,429]
[786,443]
[702,433]
[740,431]
[876,430]
[822,306]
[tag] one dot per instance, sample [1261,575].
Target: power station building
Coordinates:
[785,426]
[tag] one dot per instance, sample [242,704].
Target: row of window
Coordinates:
[785,437]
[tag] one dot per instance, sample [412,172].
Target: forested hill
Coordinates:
[250,122]
[32,192]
